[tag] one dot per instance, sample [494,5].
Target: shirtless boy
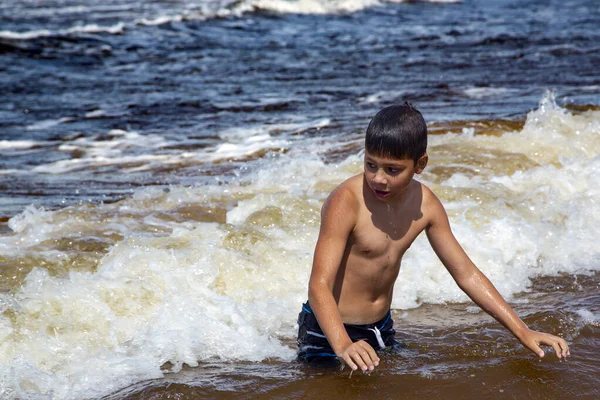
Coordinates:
[367,223]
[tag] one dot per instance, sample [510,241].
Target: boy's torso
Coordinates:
[374,250]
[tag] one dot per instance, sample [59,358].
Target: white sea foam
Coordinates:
[318,6]
[242,142]
[57,9]
[121,148]
[99,113]
[86,335]
[483,92]
[163,19]
[12,171]
[48,123]
[238,134]
[588,317]
[385,95]
[90,28]
[187,292]
[311,6]
[133,152]
[140,14]
[249,146]
[542,220]
[18,144]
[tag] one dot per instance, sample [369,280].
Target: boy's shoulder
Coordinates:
[348,193]
[342,206]
[426,198]
[432,209]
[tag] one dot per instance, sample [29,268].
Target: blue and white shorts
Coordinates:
[313,345]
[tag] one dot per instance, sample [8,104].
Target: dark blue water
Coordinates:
[75,69]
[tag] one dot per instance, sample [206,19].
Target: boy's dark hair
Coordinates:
[397,131]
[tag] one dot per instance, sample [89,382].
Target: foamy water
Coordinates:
[218,271]
[157,14]
[163,165]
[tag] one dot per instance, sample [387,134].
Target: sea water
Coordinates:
[164,165]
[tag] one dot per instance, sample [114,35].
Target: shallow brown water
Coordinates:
[452,352]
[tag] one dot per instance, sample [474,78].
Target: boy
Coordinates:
[367,223]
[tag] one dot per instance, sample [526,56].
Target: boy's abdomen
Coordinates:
[364,288]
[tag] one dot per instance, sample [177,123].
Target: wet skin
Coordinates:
[367,224]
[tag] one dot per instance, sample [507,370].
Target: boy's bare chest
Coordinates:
[377,236]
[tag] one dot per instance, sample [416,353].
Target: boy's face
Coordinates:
[388,178]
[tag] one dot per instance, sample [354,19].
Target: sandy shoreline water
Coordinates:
[453,352]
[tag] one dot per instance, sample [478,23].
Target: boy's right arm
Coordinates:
[338,218]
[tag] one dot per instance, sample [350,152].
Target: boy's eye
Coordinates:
[371,165]
[393,171]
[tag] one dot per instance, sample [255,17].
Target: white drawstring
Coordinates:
[378,336]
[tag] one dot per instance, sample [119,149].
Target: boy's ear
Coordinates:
[421,163]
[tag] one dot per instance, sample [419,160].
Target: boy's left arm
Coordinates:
[477,286]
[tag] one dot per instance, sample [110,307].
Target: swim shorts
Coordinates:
[313,345]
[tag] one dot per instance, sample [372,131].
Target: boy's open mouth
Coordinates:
[381,193]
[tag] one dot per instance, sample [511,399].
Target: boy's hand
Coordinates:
[360,355]
[532,340]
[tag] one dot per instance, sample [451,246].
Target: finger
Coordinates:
[364,354]
[372,353]
[537,350]
[348,360]
[358,360]
[564,347]
[557,349]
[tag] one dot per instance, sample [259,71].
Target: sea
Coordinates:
[163,164]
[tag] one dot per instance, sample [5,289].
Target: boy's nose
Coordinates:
[379,178]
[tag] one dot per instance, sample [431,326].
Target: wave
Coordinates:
[150,15]
[116,29]
[123,292]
